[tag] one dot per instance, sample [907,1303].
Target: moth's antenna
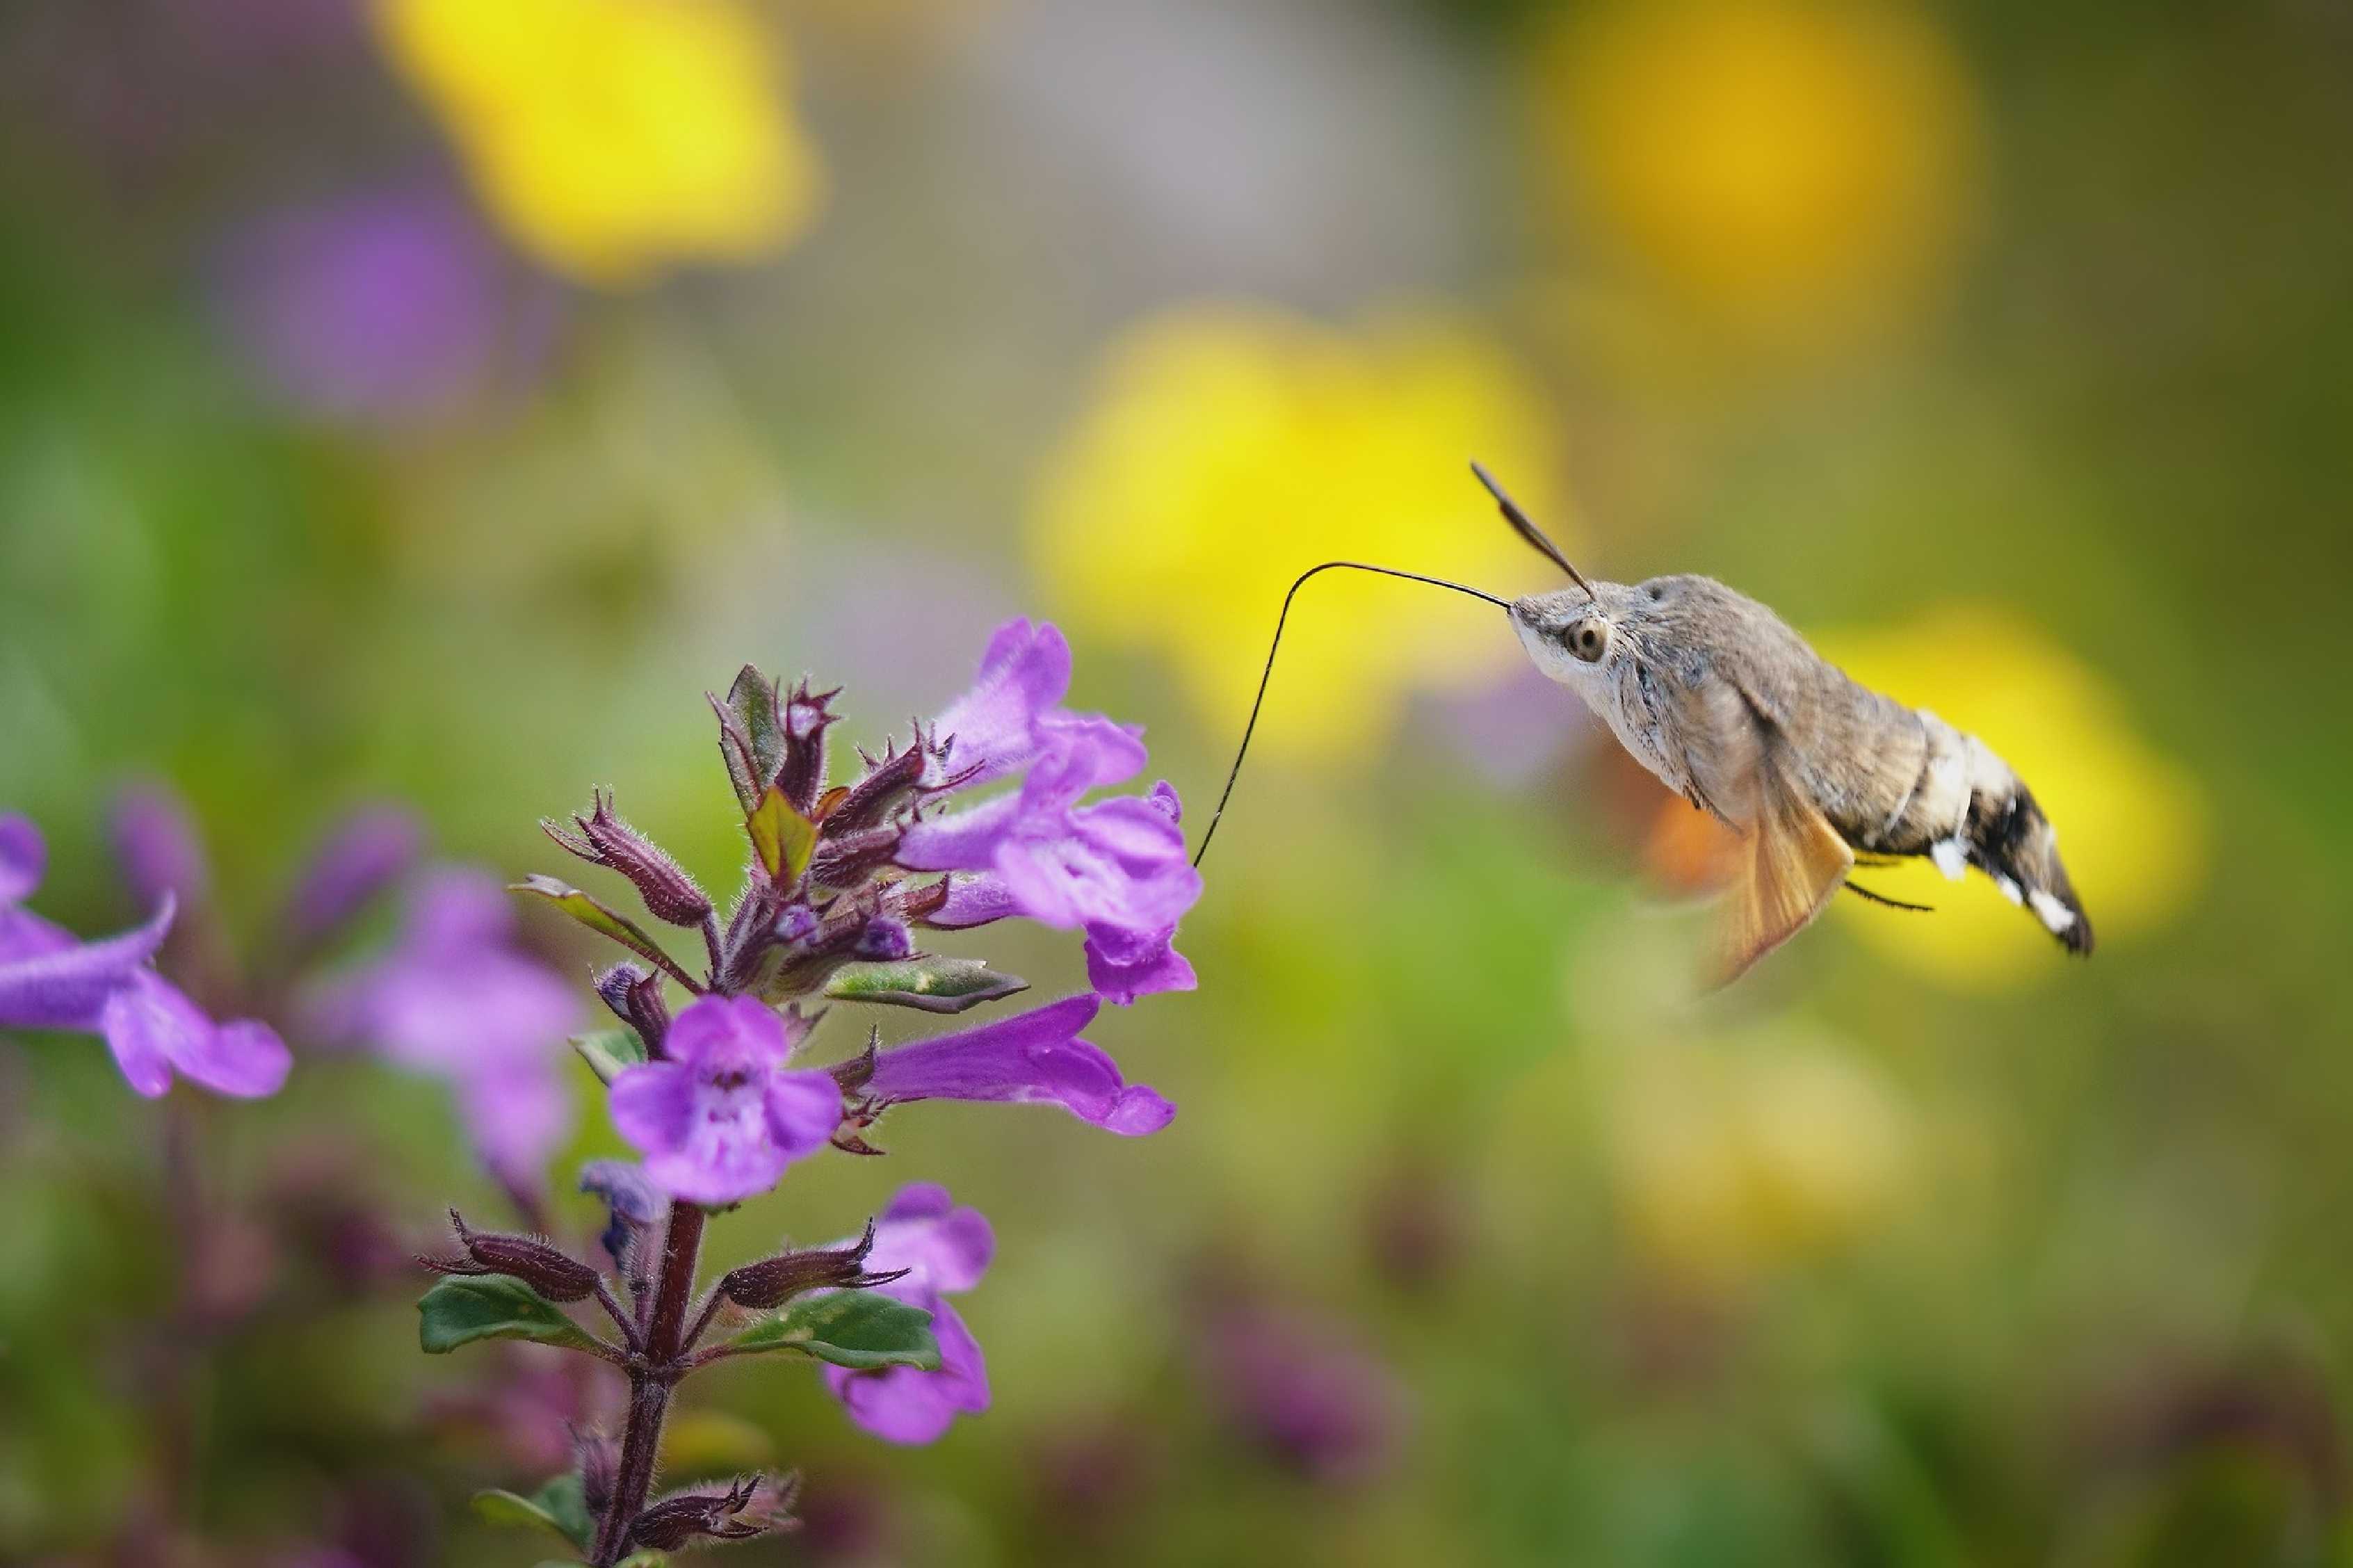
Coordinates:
[1528,531]
[1267,673]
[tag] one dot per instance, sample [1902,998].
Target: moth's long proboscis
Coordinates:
[1267,674]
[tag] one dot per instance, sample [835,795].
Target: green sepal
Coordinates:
[781,837]
[557,1506]
[607,1051]
[932,984]
[464,1308]
[605,922]
[861,1329]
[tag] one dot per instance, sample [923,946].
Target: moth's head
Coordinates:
[1575,637]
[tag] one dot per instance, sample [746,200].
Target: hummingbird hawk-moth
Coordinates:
[1726,705]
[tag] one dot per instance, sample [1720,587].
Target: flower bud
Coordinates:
[885,938]
[801,775]
[679,1520]
[552,1273]
[773,1281]
[604,839]
[636,998]
[798,923]
[629,1198]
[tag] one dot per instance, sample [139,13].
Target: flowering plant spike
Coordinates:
[717,1078]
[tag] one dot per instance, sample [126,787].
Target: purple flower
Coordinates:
[1315,1404]
[1035,1057]
[390,305]
[722,1118]
[363,855]
[1115,869]
[49,980]
[944,1249]
[454,998]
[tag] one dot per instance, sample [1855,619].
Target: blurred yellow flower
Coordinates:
[1733,1155]
[1228,448]
[2131,822]
[1789,167]
[610,137]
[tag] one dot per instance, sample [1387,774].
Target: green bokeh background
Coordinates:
[2103,1320]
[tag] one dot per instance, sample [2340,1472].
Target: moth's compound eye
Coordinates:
[1587,639]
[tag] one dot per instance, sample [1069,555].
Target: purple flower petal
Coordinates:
[67,988]
[1123,964]
[1101,751]
[974,899]
[153,1029]
[157,846]
[456,909]
[804,1110]
[992,726]
[1033,1057]
[23,858]
[145,1025]
[964,840]
[947,1248]
[362,856]
[517,1115]
[903,1404]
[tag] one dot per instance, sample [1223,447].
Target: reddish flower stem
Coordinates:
[652,1378]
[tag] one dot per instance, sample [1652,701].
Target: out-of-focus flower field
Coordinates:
[410,408]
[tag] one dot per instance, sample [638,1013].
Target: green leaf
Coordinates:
[752,700]
[782,837]
[603,921]
[933,984]
[649,1558]
[607,1051]
[861,1329]
[464,1308]
[557,1506]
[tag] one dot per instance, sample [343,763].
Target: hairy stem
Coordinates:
[651,1379]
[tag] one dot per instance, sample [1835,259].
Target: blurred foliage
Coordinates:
[2002,345]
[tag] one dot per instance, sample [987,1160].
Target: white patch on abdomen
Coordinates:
[2055,916]
[1950,858]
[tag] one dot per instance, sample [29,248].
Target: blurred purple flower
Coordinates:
[722,1118]
[455,998]
[944,1249]
[365,854]
[1317,1405]
[1035,1057]
[386,306]
[1115,869]
[50,980]
[156,843]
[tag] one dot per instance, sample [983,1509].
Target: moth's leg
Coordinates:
[1884,899]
